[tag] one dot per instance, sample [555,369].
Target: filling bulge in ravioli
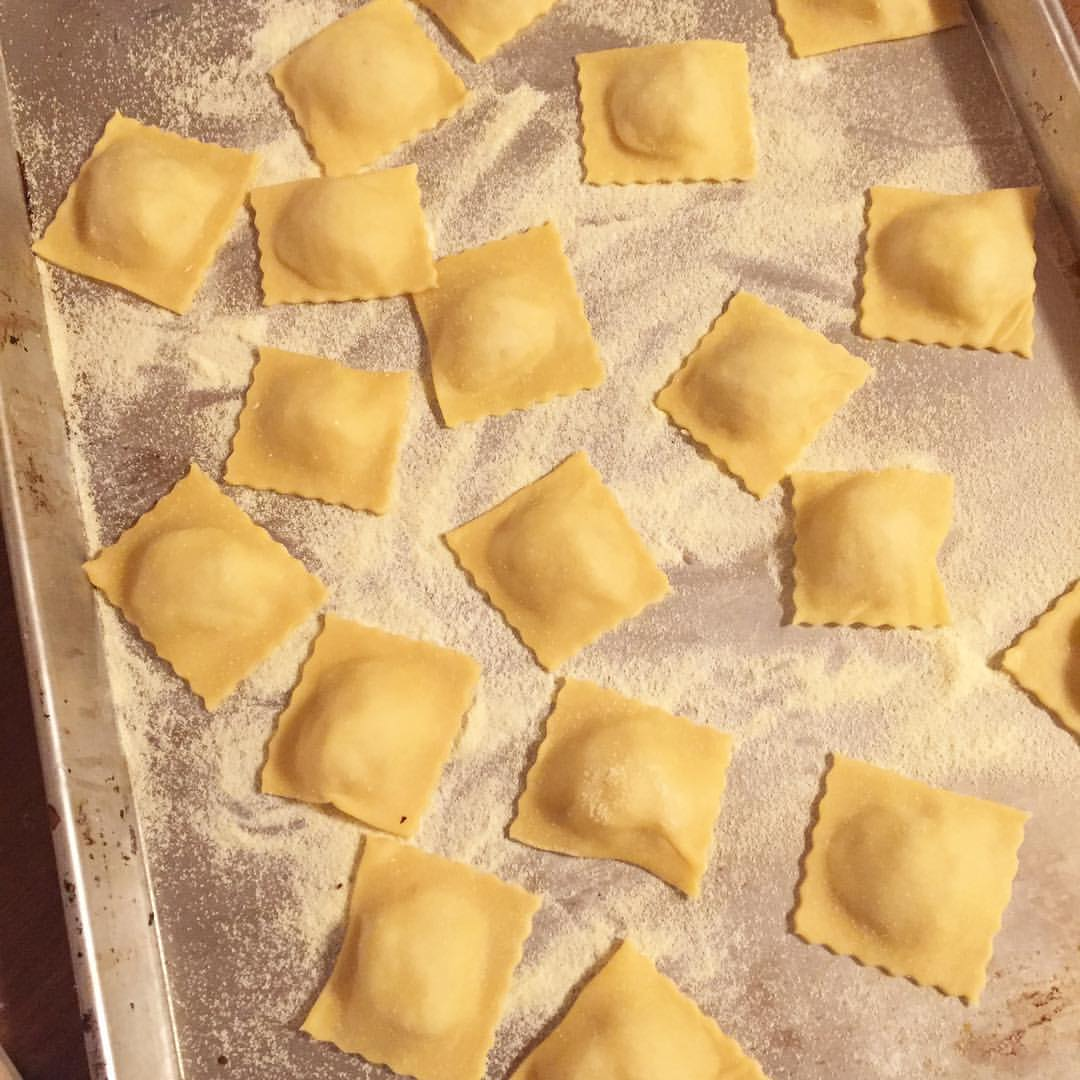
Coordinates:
[332,239]
[497,333]
[888,867]
[136,206]
[231,592]
[601,778]
[325,424]
[563,564]
[657,109]
[945,256]
[353,728]
[422,961]
[629,1044]
[883,558]
[350,79]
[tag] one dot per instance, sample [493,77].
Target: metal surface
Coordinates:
[115,946]
[1037,57]
[101,858]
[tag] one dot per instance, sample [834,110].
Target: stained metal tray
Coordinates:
[129,910]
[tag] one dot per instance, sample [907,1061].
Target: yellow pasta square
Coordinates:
[758,388]
[209,589]
[315,428]
[426,964]
[560,561]
[370,725]
[667,112]
[617,779]
[366,84]
[343,238]
[951,269]
[1045,660]
[907,877]
[866,546]
[631,1021]
[818,26]
[149,211]
[506,328]
[484,26]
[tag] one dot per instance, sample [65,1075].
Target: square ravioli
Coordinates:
[366,84]
[758,388]
[1045,660]
[951,269]
[866,546]
[206,587]
[343,238]
[484,26]
[506,328]
[560,561]
[370,725]
[617,779]
[667,112]
[907,877]
[818,26]
[631,1021]
[149,211]
[426,963]
[316,428]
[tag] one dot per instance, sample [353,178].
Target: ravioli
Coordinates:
[209,589]
[907,877]
[667,112]
[506,328]
[866,546]
[315,428]
[343,238]
[149,211]
[370,725]
[758,388]
[618,779]
[560,561]
[951,269]
[817,26]
[366,84]
[484,26]
[426,963]
[1045,660]
[631,1022]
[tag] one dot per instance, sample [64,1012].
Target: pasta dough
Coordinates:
[149,211]
[908,878]
[617,779]
[951,269]
[370,725]
[667,112]
[343,238]
[366,84]
[205,586]
[1045,660]
[315,428]
[506,328]
[426,963]
[484,26]
[866,547]
[817,26]
[632,1023]
[560,561]
[758,389]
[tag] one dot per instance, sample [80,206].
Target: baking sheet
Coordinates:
[250,892]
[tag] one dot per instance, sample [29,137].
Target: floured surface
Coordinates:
[248,887]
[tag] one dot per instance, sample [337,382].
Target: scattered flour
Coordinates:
[251,890]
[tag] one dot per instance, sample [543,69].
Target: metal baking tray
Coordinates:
[136,938]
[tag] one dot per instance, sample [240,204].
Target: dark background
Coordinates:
[40,1025]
